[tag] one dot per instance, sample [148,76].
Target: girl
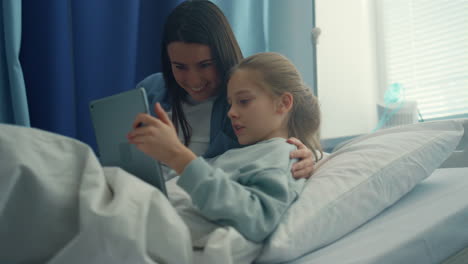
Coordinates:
[198,49]
[248,188]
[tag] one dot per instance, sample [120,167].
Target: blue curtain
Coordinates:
[13,102]
[278,26]
[73,52]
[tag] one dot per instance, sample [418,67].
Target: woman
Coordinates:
[198,49]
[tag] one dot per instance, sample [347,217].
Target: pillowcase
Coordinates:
[358,181]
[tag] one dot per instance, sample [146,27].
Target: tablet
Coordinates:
[112,119]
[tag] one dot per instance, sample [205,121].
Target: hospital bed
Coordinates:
[114,217]
[427,225]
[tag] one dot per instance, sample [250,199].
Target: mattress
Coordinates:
[428,225]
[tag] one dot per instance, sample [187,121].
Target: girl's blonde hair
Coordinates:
[279,75]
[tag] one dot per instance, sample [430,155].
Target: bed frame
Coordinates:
[459,158]
[460,258]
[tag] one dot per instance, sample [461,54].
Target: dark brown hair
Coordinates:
[200,22]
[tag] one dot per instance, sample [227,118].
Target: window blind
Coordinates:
[423,45]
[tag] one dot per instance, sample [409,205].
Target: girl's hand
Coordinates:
[158,139]
[305,166]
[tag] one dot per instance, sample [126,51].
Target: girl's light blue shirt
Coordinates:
[251,192]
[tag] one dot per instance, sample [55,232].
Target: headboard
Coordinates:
[459,157]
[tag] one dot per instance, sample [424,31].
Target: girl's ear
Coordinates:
[285,103]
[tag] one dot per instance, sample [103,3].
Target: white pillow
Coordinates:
[357,182]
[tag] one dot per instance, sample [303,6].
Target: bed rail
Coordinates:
[459,157]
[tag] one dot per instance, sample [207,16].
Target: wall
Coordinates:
[346,67]
[290,25]
[274,25]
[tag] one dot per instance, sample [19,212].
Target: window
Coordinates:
[423,45]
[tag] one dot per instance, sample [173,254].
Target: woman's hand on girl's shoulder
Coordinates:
[305,166]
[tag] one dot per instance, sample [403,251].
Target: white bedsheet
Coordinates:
[427,225]
[58,205]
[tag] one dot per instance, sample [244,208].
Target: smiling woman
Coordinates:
[194,69]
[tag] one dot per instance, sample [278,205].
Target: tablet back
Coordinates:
[112,119]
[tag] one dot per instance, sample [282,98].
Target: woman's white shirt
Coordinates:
[198,115]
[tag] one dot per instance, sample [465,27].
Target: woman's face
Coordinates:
[194,69]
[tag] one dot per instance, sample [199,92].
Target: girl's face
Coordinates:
[255,113]
[194,69]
